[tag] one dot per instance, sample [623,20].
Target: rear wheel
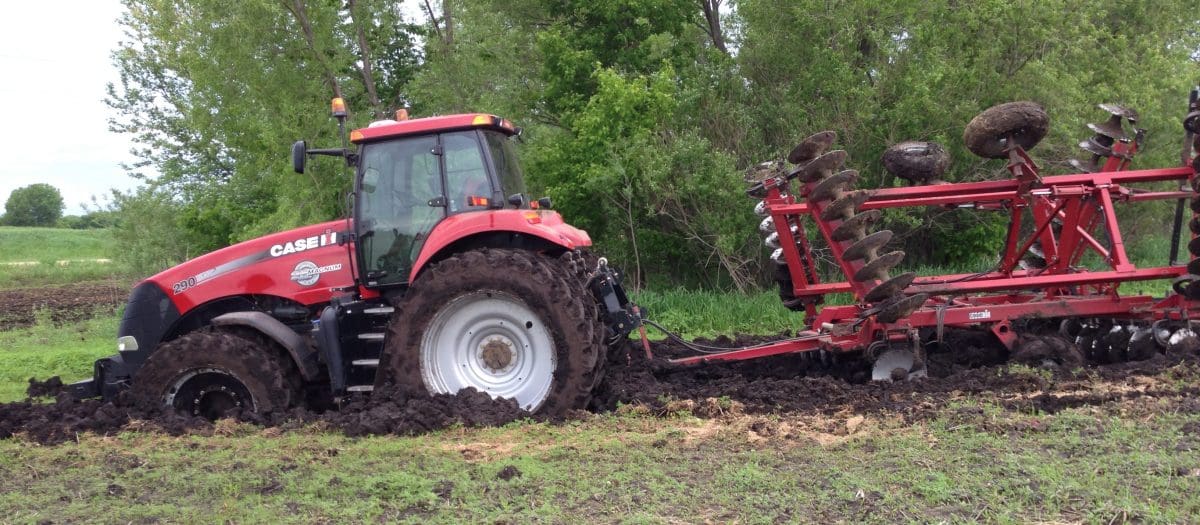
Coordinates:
[215,374]
[508,323]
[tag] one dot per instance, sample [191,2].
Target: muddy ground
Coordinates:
[783,385]
[21,306]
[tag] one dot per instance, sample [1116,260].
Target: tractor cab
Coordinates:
[413,174]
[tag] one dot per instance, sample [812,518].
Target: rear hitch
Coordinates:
[619,314]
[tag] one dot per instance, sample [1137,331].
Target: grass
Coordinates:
[54,256]
[710,314]
[1074,467]
[45,350]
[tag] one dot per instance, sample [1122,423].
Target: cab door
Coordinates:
[406,186]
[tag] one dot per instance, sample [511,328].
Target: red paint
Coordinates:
[430,125]
[551,227]
[262,267]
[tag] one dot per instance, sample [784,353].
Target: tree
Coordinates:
[213,92]
[34,205]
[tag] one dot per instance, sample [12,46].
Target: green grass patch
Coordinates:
[40,256]
[708,314]
[53,244]
[45,350]
[1074,467]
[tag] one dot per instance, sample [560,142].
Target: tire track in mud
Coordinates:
[784,385]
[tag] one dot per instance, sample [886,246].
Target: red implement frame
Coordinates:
[1083,204]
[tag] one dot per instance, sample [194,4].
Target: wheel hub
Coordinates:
[497,353]
[210,393]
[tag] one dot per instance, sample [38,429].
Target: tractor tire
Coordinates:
[504,322]
[216,373]
[987,134]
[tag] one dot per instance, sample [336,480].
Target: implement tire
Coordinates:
[987,134]
[510,323]
[216,373]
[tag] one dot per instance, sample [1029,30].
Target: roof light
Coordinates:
[481,120]
[401,114]
[356,136]
[338,106]
[475,200]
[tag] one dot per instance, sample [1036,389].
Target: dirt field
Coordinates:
[784,386]
[21,306]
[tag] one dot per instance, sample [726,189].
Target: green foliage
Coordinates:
[215,91]
[33,205]
[148,233]
[636,123]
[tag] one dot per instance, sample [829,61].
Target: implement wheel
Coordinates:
[505,322]
[214,374]
[987,135]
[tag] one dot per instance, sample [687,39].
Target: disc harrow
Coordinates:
[1041,301]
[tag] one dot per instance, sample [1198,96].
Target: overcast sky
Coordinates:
[55,59]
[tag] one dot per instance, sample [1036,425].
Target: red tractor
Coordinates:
[445,276]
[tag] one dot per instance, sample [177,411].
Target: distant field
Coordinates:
[32,257]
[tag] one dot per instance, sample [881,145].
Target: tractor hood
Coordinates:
[301,264]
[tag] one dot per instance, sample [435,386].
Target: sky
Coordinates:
[56,64]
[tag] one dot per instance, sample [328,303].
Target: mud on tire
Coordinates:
[253,371]
[545,286]
[987,134]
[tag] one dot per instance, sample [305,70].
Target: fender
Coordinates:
[545,225]
[301,353]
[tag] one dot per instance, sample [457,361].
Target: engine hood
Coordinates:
[303,265]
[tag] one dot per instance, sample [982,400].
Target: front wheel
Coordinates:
[214,374]
[505,322]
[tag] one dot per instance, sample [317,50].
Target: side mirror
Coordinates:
[299,152]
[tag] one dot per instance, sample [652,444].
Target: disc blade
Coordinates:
[877,268]
[1120,111]
[819,167]
[812,147]
[895,311]
[890,287]
[832,187]
[895,364]
[855,227]
[865,248]
[845,207]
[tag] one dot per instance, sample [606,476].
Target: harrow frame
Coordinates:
[1082,204]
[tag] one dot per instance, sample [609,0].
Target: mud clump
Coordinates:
[388,411]
[48,388]
[392,410]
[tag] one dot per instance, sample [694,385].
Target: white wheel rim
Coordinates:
[491,341]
